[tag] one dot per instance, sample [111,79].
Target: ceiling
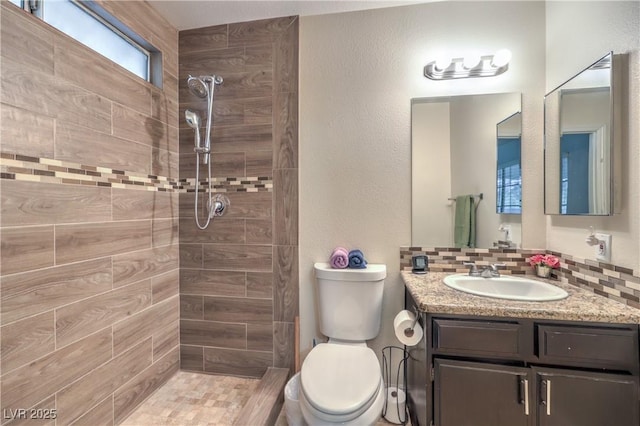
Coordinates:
[186,14]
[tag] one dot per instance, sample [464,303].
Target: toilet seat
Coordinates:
[340,382]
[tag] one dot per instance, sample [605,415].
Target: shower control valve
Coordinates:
[218,205]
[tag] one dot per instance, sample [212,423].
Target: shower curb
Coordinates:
[264,406]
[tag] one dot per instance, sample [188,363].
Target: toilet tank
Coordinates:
[350,301]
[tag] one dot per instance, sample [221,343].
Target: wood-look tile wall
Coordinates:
[239,278]
[89,303]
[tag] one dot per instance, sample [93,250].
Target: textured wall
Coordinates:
[474,156]
[89,285]
[431,148]
[358,74]
[602,27]
[239,277]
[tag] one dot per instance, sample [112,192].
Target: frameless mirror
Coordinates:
[508,168]
[578,135]
[454,153]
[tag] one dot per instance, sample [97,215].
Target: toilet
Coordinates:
[340,381]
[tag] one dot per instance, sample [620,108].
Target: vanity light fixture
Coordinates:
[471,66]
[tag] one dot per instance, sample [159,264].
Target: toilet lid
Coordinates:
[340,379]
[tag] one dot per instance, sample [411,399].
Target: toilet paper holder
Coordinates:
[409,331]
[395,409]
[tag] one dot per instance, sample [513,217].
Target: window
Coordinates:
[509,177]
[95,28]
[509,185]
[564,182]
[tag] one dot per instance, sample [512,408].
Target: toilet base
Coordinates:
[368,418]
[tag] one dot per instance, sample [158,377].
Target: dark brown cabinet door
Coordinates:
[476,394]
[573,398]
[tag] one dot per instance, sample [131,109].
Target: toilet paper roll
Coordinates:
[395,409]
[402,325]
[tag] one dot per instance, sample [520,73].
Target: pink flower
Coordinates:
[544,260]
[552,261]
[536,259]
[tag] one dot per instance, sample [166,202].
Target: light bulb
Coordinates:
[471,61]
[501,58]
[442,63]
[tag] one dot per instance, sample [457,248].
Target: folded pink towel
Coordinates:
[339,258]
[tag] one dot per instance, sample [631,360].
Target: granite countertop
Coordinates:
[433,296]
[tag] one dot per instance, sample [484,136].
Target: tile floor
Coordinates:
[196,399]
[190,399]
[282,421]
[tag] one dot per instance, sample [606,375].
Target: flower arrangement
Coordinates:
[543,263]
[547,260]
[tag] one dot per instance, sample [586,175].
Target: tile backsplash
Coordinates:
[607,280]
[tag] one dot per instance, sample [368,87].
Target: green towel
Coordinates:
[464,234]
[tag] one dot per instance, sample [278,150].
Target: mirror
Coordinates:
[454,153]
[508,168]
[578,133]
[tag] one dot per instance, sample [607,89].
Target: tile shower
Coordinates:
[239,277]
[99,254]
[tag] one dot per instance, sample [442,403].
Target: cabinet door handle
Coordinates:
[545,395]
[548,397]
[526,397]
[524,394]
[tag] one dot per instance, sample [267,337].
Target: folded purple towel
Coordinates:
[339,258]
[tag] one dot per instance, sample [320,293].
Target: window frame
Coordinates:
[506,185]
[154,73]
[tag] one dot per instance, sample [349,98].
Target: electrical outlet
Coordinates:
[603,248]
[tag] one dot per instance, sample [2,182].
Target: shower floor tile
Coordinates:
[194,399]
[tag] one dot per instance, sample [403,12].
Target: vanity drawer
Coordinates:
[490,338]
[611,347]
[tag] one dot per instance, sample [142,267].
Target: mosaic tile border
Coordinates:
[444,259]
[614,282]
[34,169]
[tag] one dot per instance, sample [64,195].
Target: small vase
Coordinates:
[543,271]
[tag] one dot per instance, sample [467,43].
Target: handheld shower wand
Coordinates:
[193,120]
[203,87]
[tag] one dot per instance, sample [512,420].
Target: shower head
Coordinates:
[192,118]
[197,86]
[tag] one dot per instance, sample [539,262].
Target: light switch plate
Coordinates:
[603,248]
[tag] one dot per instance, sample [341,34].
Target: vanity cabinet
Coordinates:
[483,394]
[469,393]
[569,397]
[499,371]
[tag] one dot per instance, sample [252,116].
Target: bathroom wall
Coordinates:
[601,27]
[358,73]
[431,149]
[474,159]
[239,277]
[88,227]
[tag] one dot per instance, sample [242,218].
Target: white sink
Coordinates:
[506,287]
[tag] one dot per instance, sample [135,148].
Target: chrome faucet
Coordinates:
[490,271]
[473,269]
